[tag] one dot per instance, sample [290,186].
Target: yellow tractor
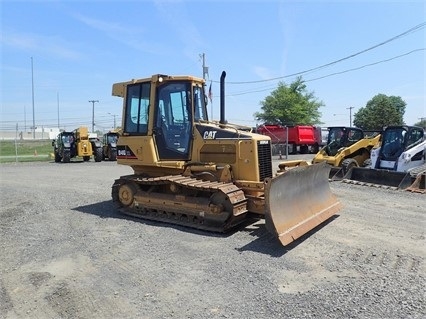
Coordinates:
[346,147]
[85,147]
[204,174]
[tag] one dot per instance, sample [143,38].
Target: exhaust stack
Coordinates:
[222,98]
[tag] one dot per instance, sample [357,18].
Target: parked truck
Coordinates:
[304,138]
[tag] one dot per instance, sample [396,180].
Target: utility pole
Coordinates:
[206,72]
[57,98]
[93,113]
[205,68]
[32,85]
[350,115]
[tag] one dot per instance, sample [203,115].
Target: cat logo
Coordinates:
[209,135]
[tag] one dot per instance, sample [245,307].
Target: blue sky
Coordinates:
[76,50]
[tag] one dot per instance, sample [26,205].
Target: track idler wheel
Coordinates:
[126,194]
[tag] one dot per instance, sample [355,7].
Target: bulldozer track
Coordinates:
[182,200]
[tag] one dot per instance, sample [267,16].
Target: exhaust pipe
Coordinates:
[222,98]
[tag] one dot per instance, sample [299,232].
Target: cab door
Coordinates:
[173,121]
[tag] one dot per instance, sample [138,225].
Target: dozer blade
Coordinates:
[378,178]
[298,201]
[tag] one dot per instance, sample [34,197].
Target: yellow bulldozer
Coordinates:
[347,147]
[209,175]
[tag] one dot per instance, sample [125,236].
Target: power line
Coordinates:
[366,65]
[335,73]
[411,30]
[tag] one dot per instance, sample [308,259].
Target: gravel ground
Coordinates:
[66,253]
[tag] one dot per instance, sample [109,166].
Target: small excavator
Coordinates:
[205,174]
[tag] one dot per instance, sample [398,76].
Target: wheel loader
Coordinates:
[346,147]
[209,175]
[397,162]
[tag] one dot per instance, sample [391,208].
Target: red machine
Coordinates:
[302,136]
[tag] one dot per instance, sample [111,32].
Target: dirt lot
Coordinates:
[66,253]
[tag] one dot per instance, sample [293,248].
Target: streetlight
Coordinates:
[93,113]
[114,115]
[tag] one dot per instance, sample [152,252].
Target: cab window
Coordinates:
[200,110]
[137,108]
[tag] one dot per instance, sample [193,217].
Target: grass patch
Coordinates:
[22,159]
[25,150]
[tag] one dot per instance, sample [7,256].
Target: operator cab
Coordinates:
[341,137]
[398,139]
[165,108]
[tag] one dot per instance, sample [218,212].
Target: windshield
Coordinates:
[393,143]
[67,138]
[335,134]
[340,137]
[395,135]
[112,139]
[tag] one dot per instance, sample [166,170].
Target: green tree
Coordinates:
[290,105]
[380,111]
